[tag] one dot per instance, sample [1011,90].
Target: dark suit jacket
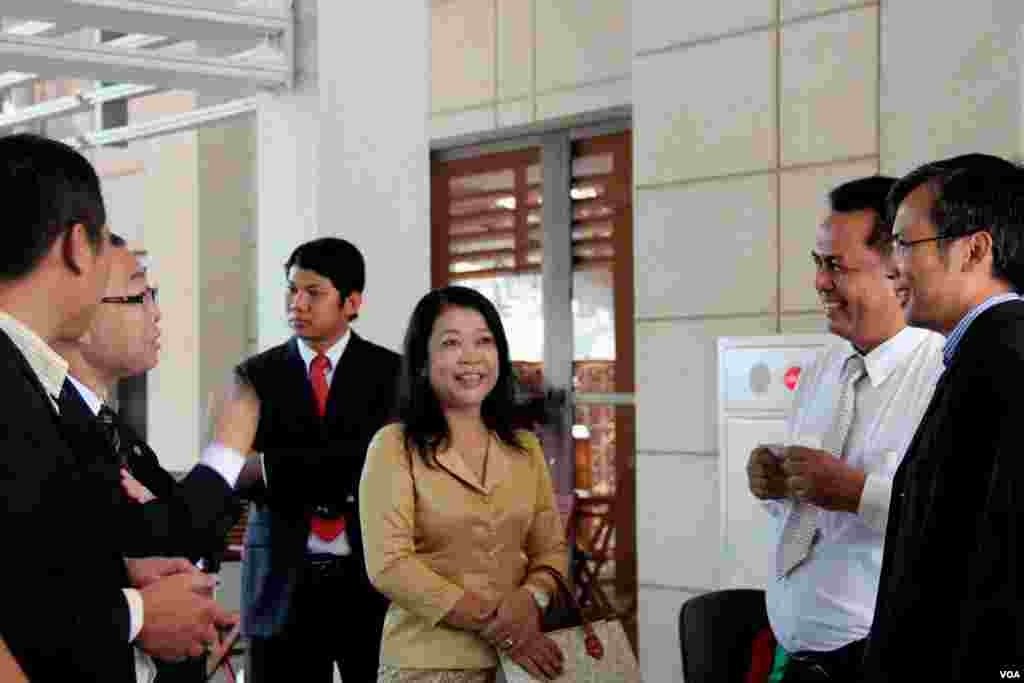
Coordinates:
[188,518]
[309,461]
[951,597]
[62,610]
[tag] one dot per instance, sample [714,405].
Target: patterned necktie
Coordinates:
[107,419]
[798,534]
[318,378]
[325,529]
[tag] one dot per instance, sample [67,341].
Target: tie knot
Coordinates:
[854,368]
[321,363]
[107,415]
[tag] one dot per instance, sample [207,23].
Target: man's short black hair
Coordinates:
[336,259]
[47,188]
[863,194]
[975,192]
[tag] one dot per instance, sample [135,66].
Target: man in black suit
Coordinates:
[71,603]
[950,602]
[309,407]
[158,515]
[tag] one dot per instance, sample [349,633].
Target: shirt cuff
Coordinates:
[227,462]
[137,612]
[874,502]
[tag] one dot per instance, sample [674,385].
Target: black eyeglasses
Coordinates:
[139,298]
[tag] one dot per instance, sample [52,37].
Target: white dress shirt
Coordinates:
[222,458]
[340,545]
[52,370]
[829,600]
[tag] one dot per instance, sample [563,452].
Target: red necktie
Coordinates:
[325,529]
[318,378]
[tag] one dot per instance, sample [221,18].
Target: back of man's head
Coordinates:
[975,192]
[47,188]
[866,194]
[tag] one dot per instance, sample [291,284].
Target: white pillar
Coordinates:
[346,154]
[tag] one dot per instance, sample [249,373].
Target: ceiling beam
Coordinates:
[72,104]
[167,125]
[184,19]
[51,58]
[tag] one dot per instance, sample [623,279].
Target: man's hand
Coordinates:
[238,415]
[148,570]
[180,621]
[765,476]
[134,488]
[540,656]
[820,478]
[517,620]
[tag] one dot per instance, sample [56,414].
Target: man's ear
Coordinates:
[78,249]
[979,251]
[353,302]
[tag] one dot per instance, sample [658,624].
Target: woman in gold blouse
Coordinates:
[458,508]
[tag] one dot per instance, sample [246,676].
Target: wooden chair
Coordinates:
[230,644]
[595,528]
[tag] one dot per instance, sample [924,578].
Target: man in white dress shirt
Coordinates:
[853,415]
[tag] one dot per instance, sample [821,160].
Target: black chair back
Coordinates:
[716,631]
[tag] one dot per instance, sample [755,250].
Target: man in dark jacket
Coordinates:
[309,407]
[950,602]
[71,604]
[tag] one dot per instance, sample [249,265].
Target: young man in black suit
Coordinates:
[951,597]
[158,516]
[71,603]
[309,408]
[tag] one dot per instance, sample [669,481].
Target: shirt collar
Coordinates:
[953,341]
[882,360]
[333,354]
[48,365]
[88,395]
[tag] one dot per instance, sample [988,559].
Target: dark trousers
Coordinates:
[838,666]
[191,670]
[336,617]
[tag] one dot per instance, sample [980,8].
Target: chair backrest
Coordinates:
[716,631]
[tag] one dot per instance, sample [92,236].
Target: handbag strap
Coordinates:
[593,644]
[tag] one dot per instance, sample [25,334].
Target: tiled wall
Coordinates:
[502,63]
[745,114]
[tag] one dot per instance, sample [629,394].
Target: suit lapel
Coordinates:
[344,393]
[297,379]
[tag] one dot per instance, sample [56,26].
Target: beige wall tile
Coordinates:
[707,110]
[658,615]
[462,54]
[515,48]
[804,323]
[451,124]
[684,489]
[658,24]
[829,87]
[957,93]
[677,380]
[791,9]
[515,113]
[580,41]
[804,199]
[586,98]
[707,248]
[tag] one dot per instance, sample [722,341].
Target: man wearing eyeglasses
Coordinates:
[853,414]
[157,515]
[951,597]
